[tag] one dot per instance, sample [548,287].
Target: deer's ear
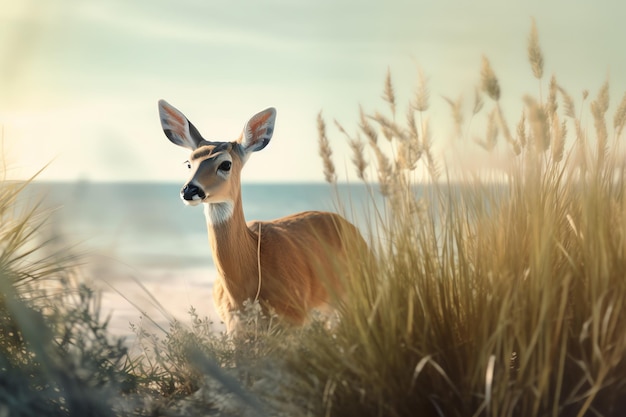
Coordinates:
[177,128]
[258,131]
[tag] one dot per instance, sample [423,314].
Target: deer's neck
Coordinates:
[234,248]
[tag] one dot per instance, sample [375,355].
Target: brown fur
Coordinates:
[304,258]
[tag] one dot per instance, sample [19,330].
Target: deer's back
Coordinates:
[305,257]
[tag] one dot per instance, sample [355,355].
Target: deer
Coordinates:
[294,265]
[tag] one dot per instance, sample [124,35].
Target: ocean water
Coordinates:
[149,253]
[147,224]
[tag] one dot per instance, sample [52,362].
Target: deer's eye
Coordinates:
[225,166]
[188,164]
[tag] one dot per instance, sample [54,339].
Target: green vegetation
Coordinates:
[498,296]
[55,356]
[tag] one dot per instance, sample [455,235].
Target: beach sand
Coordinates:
[153,297]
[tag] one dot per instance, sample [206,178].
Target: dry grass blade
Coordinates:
[457,114]
[478,102]
[603,98]
[506,131]
[408,154]
[366,127]
[384,170]
[428,360]
[521,130]
[599,108]
[358,152]
[552,105]
[559,131]
[392,129]
[388,93]
[434,170]
[489,372]
[325,151]
[539,125]
[358,159]
[412,124]
[570,108]
[489,81]
[491,136]
[619,119]
[535,56]
[410,148]
[422,95]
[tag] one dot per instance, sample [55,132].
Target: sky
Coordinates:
[80,79]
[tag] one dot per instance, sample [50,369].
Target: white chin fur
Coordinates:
[191,202]
[217,213]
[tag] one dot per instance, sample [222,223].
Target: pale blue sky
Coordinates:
[79,80]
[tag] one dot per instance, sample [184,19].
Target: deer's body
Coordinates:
[296,267]
[303,258]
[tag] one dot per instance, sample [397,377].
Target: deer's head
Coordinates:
[215,166]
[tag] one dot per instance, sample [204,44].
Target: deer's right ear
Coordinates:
[177,128]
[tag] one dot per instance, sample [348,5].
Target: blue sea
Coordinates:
[149,252]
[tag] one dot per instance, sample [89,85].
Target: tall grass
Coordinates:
[56,357]
[500,295]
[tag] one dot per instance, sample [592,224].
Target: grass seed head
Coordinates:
[325,151]
[366,127]
[599,108]
[535,56]
[619,119]
[478,102]
[540,129]
[358,157]
[552,103]
[491,135]
[521,130]
[422,95]
[559,130]
[568,101]
[388,93]
[489,80]
[457,114]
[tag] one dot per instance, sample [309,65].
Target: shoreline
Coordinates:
[151,298]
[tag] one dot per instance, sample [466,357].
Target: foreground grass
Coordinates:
[500,296]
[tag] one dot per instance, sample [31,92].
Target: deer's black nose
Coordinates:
[192,192]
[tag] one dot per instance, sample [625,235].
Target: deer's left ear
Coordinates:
[258,131]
